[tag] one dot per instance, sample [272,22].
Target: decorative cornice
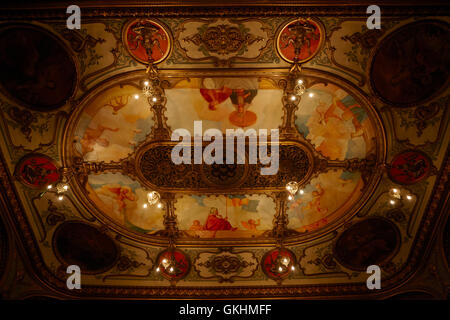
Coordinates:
[57,11]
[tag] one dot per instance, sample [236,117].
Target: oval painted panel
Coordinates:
[409,167]
[83,245]
[336,122]
[112,124]
[371,241]
[412,64]
[36,68]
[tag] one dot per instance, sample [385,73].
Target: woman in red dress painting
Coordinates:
[215,222]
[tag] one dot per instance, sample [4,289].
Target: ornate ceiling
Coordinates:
[367,142]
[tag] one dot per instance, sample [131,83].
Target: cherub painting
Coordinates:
[119,194]
[122,199]
[112,125]
[335,123]
[314,205]
[92,136]
[323,200]
[251,224]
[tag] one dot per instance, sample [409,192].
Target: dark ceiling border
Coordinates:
[118,9]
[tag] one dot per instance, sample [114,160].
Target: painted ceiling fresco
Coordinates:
[373,118]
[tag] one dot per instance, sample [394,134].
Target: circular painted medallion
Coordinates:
[173,264]
[37,70]
[36,171]
[278,263]
[84,245]
[300,40]
[147,40]
[412,64]
[371,241]
[409,167]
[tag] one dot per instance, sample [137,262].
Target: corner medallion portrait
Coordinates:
[147,40]
[300,40]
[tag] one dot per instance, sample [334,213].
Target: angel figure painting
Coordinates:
[112,125]
[324,199]
[231,216]
[335,123]
[122,199]
[224,103]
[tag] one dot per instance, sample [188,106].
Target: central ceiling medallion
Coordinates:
[156,170]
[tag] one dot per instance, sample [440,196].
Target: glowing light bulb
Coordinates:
[409,197]
[394,190]
[302,192]
[146,83]
[300,81]
[285,260]
[145,206]
[293,268]
[164,260]
[280,269]
[157,269]
[290,198]
[66,187]
[49,186]
[60,198]
[154,99]
[292,187]
[136,96]
[392,202]
[159,205]
[153,197]
[171,269]
[293,98]
[311,95]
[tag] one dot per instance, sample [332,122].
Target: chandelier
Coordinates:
[396,195]
[151,87]
[297,82]
[153,197]
[292,188]
[61,186]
